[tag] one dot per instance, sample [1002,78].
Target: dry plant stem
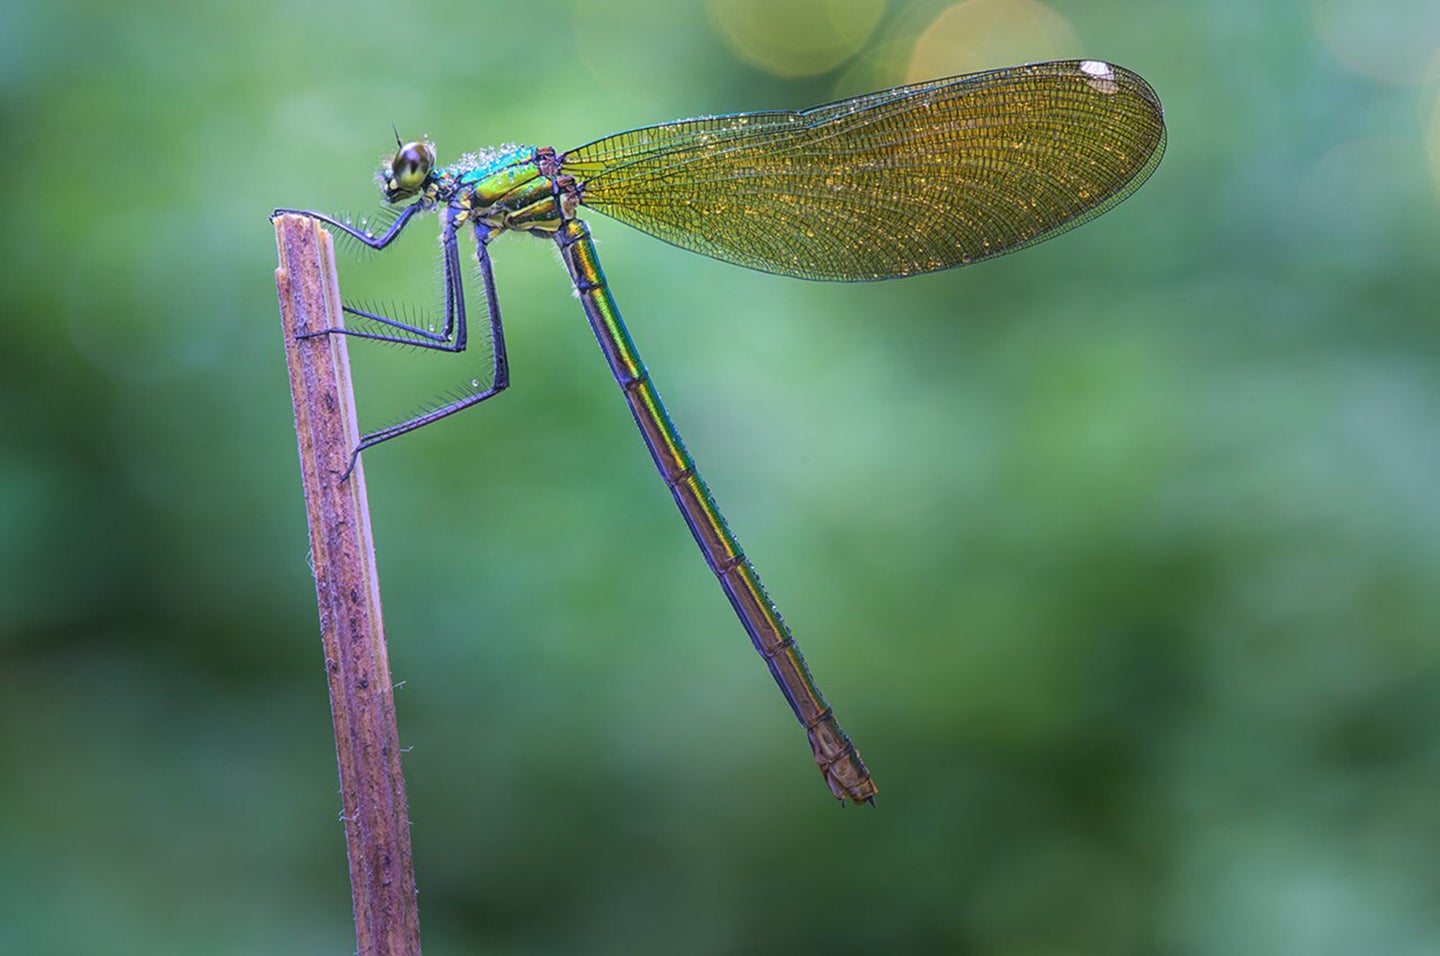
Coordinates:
[362,705]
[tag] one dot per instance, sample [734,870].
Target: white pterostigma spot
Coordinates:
[1100,75]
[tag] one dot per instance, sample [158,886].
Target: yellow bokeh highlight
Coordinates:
[798,37]
[1396,42]
[984,34]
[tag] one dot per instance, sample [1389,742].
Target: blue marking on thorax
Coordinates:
[476,166]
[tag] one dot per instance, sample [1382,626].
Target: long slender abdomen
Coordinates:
[839,762]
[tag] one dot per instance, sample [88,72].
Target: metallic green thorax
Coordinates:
[517,189]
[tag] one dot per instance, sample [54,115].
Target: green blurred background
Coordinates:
[1117,557]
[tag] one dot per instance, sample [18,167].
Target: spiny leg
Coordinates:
[454,304]
[455,300]
[454,318]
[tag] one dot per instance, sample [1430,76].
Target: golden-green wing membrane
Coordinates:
[895,183]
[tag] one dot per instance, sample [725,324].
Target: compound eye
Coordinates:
[412,165]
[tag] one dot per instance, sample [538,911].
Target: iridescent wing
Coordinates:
[905,181]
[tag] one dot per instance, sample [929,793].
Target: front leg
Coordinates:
[365,237]
[453,293]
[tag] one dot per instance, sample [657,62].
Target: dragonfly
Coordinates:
[910,180]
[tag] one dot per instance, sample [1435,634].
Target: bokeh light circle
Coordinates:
[982,34]
[800,38]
